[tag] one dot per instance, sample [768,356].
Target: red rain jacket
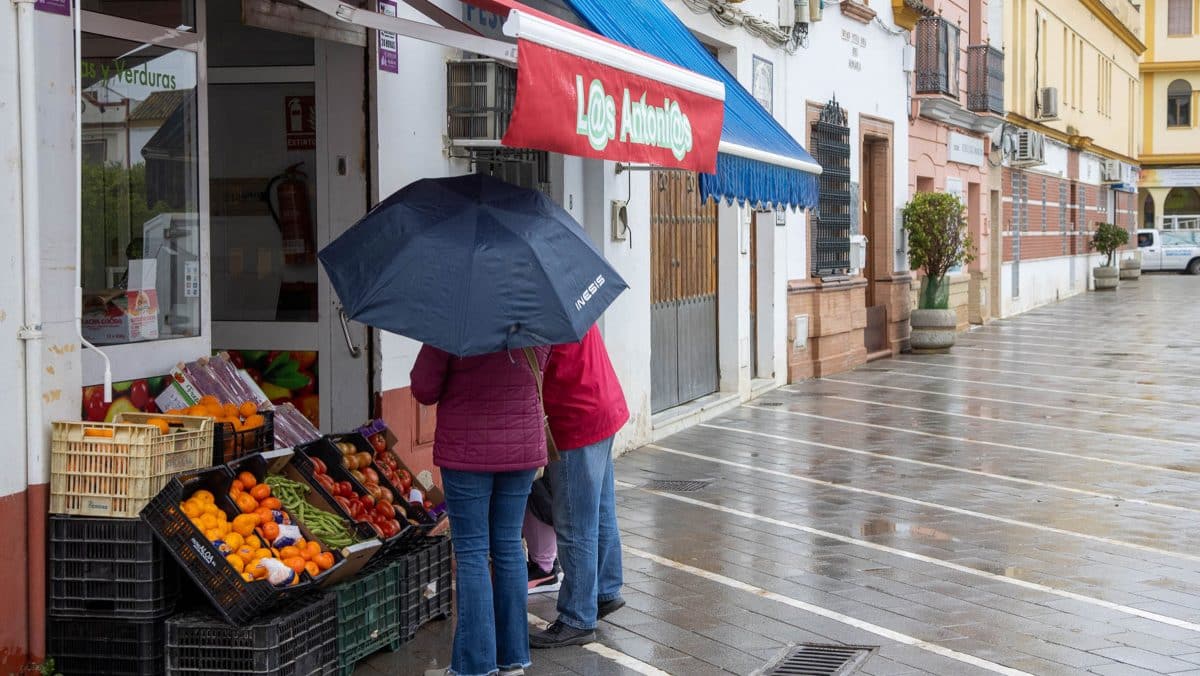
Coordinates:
[584,400]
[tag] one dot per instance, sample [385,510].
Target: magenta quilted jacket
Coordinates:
[488,416]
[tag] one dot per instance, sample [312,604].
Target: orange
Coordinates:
[295,563]
[270,531]
[254,421]
[312,568]
[229,411]
[261,492]
[236,561]
[312,549]
[248,480]
[324,560]
[247,409]
[271,503]
[246,503]
[253,541]
[208,399]
[289,552]
[162,425]
[262,553]
[247,577]
[212,534]
[203,496]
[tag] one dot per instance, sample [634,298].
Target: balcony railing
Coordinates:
[937,57]
[985,79]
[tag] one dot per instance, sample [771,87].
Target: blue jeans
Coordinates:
[589,545]
[486,511]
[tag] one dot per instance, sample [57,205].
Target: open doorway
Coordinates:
[875,216]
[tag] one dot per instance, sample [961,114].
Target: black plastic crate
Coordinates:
[230,444]
[368,614]
[104,646]
[323,449]
[111,568]
[297,640]
[425,592]
[237,600]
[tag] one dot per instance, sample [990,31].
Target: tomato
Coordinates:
[404,475]
[378,442]
[343,503]
[367,501]
[377,529]
[345,488]
[319,466]
[428,506]
[356,510]
[370,475]
[391,528]
[386,509]
[385,495]
[328,484]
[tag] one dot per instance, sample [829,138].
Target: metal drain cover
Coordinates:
[678,485]
[810,659]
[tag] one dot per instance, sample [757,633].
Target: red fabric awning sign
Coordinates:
[575,106]
[581,94]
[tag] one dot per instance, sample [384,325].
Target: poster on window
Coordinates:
[389,50]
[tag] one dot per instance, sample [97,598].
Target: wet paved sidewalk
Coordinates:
[1029,503]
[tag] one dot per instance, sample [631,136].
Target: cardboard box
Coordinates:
[179,392]
[126,315]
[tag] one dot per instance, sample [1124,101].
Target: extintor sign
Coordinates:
[300,122]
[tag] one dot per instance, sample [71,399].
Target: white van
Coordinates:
[1170,250]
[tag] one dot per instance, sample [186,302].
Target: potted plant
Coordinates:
[937,242]
[1107,239]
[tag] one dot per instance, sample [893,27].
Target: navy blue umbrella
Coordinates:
[472,265]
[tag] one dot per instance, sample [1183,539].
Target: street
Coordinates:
[1025,504]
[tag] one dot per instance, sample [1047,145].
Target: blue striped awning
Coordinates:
[759,163]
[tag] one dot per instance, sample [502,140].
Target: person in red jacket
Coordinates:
[490,440]
[586,407]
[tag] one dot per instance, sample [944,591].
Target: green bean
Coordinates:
[329,528]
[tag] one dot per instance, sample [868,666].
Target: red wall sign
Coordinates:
[570,105]
[300,120]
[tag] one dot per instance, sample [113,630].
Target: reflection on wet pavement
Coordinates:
[1028,503]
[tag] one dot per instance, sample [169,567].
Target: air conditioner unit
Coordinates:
[1029,149]
[1112,171]
[1048,103]
[480,94]
[787,13]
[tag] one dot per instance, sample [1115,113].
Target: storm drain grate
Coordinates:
[810,659]
[678,485]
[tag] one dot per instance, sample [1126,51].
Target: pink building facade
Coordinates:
[957,87]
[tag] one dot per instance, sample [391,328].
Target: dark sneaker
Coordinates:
[559,635]
[541,581]
[606,608]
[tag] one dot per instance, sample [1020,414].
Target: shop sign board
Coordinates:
[389,50]
[574,106]
[1173,177]
[965,149]
[300,121]
[62,7]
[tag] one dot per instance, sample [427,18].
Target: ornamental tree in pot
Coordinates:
[1107,239]
[937,242]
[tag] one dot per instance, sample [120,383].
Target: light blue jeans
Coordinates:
[486,510]
[589,545]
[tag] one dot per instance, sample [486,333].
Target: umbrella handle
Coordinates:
[355,351]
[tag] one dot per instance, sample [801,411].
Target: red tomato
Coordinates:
[386,509]
[319,466]
[343,503]
[367,501]
[378,442]
[345,489]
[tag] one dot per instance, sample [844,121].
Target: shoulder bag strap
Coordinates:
[531,358]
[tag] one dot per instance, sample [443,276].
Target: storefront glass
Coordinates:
[177,14]
[141,252]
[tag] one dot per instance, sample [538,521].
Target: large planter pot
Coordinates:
[1131,268]
[932,331]
[1106,278]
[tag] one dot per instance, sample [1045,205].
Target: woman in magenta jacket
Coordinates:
[489,442]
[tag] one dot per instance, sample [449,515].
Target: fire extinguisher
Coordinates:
[292,215]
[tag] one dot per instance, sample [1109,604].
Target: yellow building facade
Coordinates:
[1071,146]
[1170,181]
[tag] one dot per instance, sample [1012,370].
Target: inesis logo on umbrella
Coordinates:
[589,292]
[641,123]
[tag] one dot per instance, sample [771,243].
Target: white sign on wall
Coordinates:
[965,149]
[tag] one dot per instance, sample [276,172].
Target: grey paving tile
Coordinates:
[1145,659]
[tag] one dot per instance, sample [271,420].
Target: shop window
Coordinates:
[177,14]
[1179,104]
[1179,17]
[140,204]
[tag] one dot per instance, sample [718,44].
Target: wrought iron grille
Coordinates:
[985,79]
[937,56]
[831,222]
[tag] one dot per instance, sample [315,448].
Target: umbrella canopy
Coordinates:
[471,265]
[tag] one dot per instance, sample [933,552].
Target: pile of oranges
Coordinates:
[243,416]
[247,540]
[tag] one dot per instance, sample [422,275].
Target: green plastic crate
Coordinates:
[368,616]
